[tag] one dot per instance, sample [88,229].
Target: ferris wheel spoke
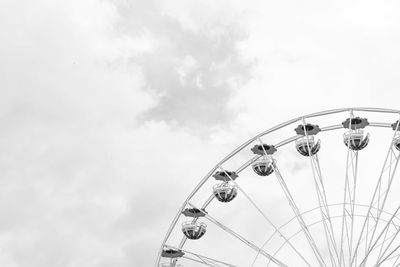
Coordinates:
[382,200]
[261,212]
[323,202]
[381,245]
[354,168]
[380,193]
[388,257]
[390,240]
[397,257]
[295,234]
[298,215]
[331,241]
[382,251]
[350,186]
[381,257]
[244,240]
[299,231]
[368,231]
[333,217]
[374,243]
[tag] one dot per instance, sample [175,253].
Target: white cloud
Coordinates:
[78,180]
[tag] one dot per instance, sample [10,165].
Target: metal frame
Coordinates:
[393,216]
[336,254]
[349,196]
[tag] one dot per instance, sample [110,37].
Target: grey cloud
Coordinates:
[192,72]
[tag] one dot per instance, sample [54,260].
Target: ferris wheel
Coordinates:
[317,190]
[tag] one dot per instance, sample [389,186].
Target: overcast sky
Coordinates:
[111,111]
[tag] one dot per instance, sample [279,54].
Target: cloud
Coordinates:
[192,71]
[65,95]
[77,184]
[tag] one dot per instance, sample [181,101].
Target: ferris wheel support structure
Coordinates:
[337,251]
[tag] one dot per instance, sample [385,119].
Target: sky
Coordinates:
[111,111]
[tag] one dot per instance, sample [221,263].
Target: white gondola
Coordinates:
[263,167]
[355,139]
[307,146]
[194,230]
[225,192]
